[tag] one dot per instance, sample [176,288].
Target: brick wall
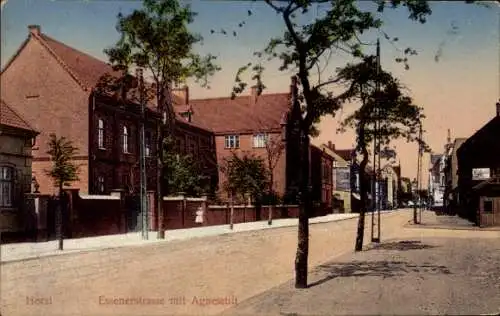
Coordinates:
[181,213]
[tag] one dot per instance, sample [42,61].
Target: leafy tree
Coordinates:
[181,172]
[157,38]
[245,176]
[63,172]
[382,101]
[306,47]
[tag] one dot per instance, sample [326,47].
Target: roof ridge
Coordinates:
[241,96]
[59,59]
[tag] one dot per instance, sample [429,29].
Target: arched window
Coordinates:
[6,186]
[100,184]
[100,134]
[125,139]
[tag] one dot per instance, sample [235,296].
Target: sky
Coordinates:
[458,92]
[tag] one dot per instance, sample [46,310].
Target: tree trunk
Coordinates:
[231,214]
[363,191]
[270,215]
[304,209]
[271,196]
[60,219]
[159,174]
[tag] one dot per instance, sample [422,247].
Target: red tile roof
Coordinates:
[241,115]
[86,69]
[9,117]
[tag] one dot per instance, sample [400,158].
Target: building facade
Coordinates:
[322,177]
[17,138]
[341,177]
[252,124]
[479,171]
[56,89]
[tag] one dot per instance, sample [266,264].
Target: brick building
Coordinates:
[53,86]
[322,176]
[16,140]
[242,125]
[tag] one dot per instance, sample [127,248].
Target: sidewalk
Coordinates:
[32,250]
[431,220]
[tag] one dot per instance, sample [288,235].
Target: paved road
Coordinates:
[428,276]
[173,278]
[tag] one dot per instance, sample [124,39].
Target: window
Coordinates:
[232,141]
[100,184]
[6,186]
[148,144]
[100,134]
[488,206]
[260,140]
[125,139]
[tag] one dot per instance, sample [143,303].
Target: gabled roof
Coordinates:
[241,115]
[346,154]
[9,117]
[85,69]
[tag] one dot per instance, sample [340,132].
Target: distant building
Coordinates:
[479,174]
[451,193]
[322,177]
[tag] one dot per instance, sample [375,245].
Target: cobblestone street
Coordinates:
[200,276]
[232,267]
[429,276]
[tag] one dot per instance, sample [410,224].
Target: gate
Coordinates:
[133,213]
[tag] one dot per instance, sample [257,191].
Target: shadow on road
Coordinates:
[404,245]
[384,269]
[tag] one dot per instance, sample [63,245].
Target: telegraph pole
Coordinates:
[418,184]
[420,151]
[142,159]
[376,151]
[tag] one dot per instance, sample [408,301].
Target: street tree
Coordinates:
[63,172]
[181,173]
[245,176]
[156,37]
[275,147]
[383,102]
[307,45]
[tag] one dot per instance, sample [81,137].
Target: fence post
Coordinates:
[183,209]
[204,208]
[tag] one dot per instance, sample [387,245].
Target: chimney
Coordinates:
[253,95]
[34,29]
[331,145]
[498,107]
[185,91]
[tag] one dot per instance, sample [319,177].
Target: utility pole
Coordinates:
[142,159]
[376,151]
[419,171]
[418,179]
